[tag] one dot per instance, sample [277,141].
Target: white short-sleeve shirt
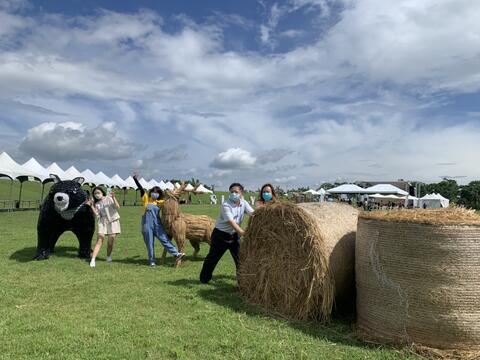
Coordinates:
[231,211]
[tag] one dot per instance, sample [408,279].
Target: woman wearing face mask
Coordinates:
[106,210]
[151,223]
[266,196]
[227,231]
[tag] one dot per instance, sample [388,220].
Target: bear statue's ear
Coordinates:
[79,180]
[55,178]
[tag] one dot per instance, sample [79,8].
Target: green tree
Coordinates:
[447,188]
[470,195]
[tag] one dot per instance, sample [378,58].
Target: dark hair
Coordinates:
[234,185]
[98,188]
[260,194]
[157,190]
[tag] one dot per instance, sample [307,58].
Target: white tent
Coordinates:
[177,185]
[130,182]
[434,201]
[72,173]
[162,185]
[152,183]
[203,190]
[119,182]
[189,187]
[311,192]
[34,166]
[144,184]
[90,177]
[321,192]
[385,189]
[104,179]
[169,186]
[53,168]
[9,168]
[347,189]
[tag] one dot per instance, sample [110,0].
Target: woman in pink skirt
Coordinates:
[106,209]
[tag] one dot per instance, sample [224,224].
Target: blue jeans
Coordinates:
[152,228]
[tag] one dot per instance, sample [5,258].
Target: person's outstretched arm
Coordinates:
[140,187]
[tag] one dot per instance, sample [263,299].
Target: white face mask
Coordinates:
[98,196]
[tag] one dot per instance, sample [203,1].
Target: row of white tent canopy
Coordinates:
[33,170]
[385,192]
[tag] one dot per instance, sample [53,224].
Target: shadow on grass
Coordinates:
[222,290]
[169,261]
[27,254]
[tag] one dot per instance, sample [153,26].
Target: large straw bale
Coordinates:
[288,258]
[417,277]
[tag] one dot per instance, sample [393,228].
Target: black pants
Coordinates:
[221,242]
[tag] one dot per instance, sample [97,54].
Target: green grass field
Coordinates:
[63,309]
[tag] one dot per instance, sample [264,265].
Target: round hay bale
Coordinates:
[417,277]
[286,258]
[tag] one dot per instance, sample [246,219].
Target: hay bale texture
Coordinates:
[293,258]
[417,277]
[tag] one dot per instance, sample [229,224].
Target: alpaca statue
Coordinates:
[181,226]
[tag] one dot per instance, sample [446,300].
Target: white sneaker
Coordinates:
[109,258]
[152,263]
[92,263]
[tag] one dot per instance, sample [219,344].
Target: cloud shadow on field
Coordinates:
[222,290]
[27,254]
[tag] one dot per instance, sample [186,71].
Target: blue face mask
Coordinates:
[234,197]
[154,195]
[267,196]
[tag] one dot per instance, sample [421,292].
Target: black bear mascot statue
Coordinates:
[64,209]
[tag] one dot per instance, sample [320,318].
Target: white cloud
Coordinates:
[72,141]
[286,180]
[233,158]
[367,88]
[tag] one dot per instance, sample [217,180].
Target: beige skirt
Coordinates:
[108,228]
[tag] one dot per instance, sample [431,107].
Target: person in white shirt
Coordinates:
[227,232]
[106,209]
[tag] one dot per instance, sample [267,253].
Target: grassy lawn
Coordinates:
[62,309]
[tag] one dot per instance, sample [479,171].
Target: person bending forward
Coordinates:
[227,232]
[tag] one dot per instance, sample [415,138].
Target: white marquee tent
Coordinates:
[9,168]
[169,186]
[72,173]
[90,177]
[119,182]
[203,190]
[144,184]
[347,189]
[34,166]
[189,187]
[434,201]
[311,192]
[54,169]
[385,189]
[130,182]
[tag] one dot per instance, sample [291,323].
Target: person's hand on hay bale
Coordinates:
[227,232]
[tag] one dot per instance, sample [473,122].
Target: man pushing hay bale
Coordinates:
[417,276]
[294,259]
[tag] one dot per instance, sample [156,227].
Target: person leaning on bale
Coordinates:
[227,232]
[265,196]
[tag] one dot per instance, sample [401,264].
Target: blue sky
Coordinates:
[295,92]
